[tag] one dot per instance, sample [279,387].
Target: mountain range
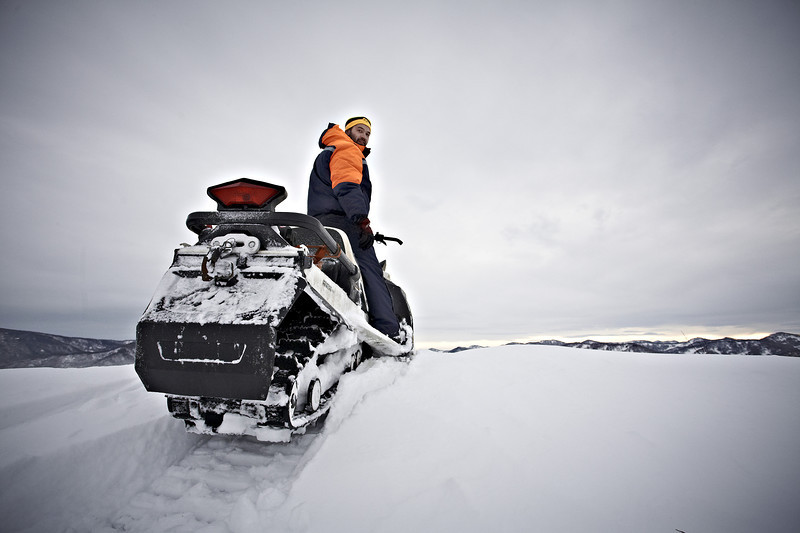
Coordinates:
[26,349]
[787,344]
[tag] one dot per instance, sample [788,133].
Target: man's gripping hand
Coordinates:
[365,237]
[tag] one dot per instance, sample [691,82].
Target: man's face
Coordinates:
[360,134]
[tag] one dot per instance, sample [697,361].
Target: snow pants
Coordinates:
[381,313]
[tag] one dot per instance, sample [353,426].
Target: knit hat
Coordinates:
[357,120]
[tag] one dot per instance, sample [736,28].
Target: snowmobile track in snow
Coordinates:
[223,480]
[238,484]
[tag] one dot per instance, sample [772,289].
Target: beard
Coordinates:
[361,141]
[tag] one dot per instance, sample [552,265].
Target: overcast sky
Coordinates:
[556,169]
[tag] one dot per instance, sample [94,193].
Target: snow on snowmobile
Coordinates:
[251,328]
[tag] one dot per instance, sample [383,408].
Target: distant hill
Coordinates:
[787,344]
[25,349]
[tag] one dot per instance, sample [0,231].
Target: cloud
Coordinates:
[551,168]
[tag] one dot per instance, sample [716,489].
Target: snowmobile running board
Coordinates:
[353,314]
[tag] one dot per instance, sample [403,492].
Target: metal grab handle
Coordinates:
[200,220]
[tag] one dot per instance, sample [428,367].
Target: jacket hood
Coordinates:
[334,135]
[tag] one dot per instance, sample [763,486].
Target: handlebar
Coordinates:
[381,238]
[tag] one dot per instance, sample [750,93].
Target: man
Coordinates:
[339,194]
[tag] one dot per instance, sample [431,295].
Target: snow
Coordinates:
[186,298]
[514,438]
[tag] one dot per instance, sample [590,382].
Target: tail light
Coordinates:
[247,194]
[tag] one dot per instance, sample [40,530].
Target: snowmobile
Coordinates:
[251,328]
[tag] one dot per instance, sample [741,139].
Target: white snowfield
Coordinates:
[516,438]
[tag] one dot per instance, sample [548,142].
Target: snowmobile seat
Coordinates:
[330,265]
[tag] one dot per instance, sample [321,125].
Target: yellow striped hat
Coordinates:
[357,120]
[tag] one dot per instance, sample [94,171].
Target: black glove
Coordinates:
[365,235]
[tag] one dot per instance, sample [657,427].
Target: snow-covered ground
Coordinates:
[515,438]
